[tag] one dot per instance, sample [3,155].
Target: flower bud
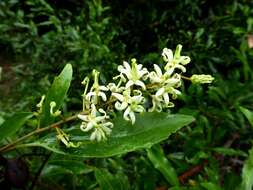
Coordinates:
[201,79]
[52,106]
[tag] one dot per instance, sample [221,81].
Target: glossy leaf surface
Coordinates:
[161,163]
[13,124]
[56,93]
[149,129]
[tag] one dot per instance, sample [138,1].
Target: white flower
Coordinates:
[164,79]
[113,88]
[161,99]
[202,79]
[96,90]
[95,93]
[96,121]
[174,61]
[134,73]
[158,103]
[130,104]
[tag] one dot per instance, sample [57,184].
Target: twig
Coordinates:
[37,131]
[191,172]
[186,78]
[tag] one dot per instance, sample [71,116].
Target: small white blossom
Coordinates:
[164,79]
[130,104]
[162,98]
[176,60]
[94,120]
[134,73]
[96,90]
[164,84]
[158,104]
[113,88]
[201,79]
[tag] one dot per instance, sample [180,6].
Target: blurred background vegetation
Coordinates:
[38,37]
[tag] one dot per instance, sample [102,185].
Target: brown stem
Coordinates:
[37,131]
[191,172]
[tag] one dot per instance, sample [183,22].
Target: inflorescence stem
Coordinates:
[37,131]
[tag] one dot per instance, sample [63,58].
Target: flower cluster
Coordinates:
[135,90]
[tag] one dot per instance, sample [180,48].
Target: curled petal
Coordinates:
[121,106]
[140,83]
[185,60]
[99,135]
[99,119]
[112,86]
[103,88]
[129,83]
[127,66]
[137,92]
[139,66]
[132,117]
[170,105]
[83,126]
[83,117]
[103,96]
[93,135]
[106,130]
[108,124]
[159,107]
[121,76]
[153,77]
[138,99]
[169,68]
[167,55]
[172,81]
[160,92]
[102,111]
[120,97]
[139,109]
[93,110]
[142,72]
[126,113]
[88,127]
[169,71]
[181,67]
[89,95]
[158,70]
[166,98]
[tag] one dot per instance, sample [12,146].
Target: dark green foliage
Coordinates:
[38,38]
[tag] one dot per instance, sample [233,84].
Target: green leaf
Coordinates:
[229,151]
[161,163]
[107,181]
[210,186]
[75,166]
[149,129]
[248,114]
[56,93]
[13,124]
[247,172]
